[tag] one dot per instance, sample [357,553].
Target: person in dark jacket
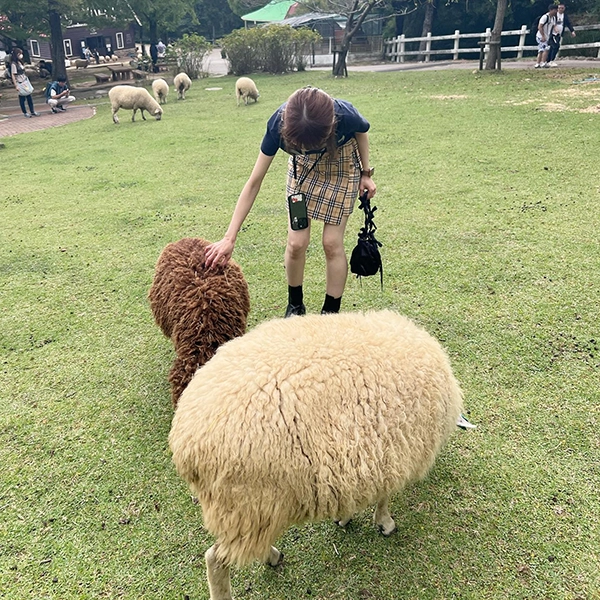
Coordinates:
[562,22]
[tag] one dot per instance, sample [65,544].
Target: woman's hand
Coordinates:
[217,254]
[367,185]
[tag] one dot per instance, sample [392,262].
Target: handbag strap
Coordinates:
[309,171]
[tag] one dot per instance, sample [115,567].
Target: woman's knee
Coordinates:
[333,247]
[297,245]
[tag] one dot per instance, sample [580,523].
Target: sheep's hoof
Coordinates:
[275,557]
[387,529]
[343,522]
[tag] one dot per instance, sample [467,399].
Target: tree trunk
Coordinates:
[398,17]
[427,26]
[352,26]
[57,47]
[495,52]
[153,30]
[339,68]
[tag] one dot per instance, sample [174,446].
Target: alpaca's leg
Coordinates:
[219,583]
[275,557]
[383,519]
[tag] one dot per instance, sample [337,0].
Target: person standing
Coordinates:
[328,166]
[542,37]
[22,83]
[161,48]
[59,95]
[562,22]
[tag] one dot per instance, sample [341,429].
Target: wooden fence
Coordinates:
[399,48]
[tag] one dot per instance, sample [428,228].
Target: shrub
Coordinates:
[274,49]
[240,49]
[191,51]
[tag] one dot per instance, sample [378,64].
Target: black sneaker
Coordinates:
[53,109]
[295,310]
[62,108]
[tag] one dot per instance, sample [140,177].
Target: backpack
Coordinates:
[48,90]
[536,23]
[366,258]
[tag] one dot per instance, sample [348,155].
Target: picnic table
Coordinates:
[120,72]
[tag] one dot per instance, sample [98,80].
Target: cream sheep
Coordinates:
[160,88]
[246,88]
[80,63]
[311,419]
[127,96]
[182,84]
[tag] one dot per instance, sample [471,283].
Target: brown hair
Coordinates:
[15,54]
[309,121]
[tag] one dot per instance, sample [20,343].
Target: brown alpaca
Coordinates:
[198,310]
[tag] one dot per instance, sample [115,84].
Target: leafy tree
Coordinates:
[156,14]
[213,19]
[29,18]
[242,7]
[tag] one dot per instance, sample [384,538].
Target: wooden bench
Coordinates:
[101,77]
[165,64]
[120,72]
[137,74]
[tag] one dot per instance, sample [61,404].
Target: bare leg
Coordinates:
[335,256]
[295,255]
[383,519]
[219,583]
[275,557]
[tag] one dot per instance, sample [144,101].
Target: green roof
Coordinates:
[276,10]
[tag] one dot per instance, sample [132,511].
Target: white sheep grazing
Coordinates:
[182,84]
[81,63]
[114,58]
[130,97]
[245,88]
[309,419]
[160,88]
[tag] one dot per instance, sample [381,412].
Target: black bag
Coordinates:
[366,259]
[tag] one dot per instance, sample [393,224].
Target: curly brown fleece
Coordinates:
[198,310]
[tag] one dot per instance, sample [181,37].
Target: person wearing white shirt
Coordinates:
[562,22]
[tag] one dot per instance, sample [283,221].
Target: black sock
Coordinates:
[331,304]
[295,295]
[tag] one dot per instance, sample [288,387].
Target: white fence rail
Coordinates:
[395,49]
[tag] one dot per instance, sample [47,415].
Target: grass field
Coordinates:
[488,209]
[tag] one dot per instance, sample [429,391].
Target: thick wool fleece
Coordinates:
[198,309]
[307,419]
[182,83]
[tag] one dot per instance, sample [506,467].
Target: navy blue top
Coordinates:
[348,122]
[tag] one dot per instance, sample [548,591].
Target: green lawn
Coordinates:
[488,209]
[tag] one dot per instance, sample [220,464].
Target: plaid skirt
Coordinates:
[330,186]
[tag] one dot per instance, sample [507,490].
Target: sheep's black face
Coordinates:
[158,114]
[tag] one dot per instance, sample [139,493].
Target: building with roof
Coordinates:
[276,10]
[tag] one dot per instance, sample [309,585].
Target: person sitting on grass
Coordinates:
[58,94]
